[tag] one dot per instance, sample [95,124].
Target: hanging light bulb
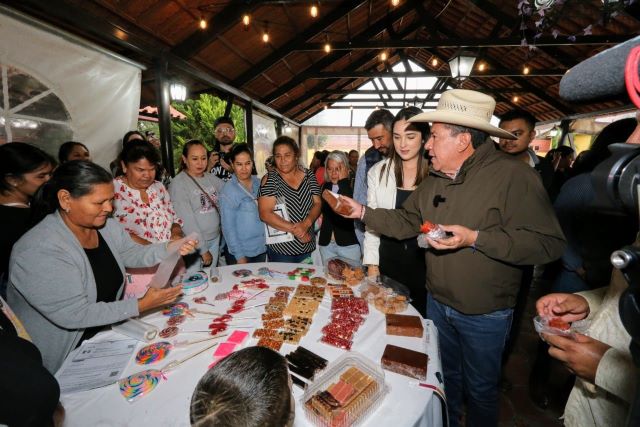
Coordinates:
[265,36]
[327,47]
[246,20]
[203,23]
[526,70]
[383,56]
[314,10]
[394,3]
[481,66]
[515,99]
[434,62]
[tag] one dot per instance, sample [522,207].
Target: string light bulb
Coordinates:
[327,47]
[383,56]
[246,20]
[203,23]
[314,10]
[265,36]
[481,66]
[526,70]
[394,3]
[434,62]
[515,99]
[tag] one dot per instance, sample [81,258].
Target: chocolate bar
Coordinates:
[405,326]
[405,362]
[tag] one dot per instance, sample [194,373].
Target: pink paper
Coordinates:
[224,349]
[238,337]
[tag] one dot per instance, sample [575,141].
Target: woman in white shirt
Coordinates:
[390,183]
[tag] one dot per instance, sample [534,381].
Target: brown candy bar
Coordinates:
[270,343]
[336,204]
[405,362]
[406,326]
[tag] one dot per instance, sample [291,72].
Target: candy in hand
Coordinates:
[336,204]
[433,231]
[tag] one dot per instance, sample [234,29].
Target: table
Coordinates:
[407,404]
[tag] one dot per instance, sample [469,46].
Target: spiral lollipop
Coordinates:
[153,352]
[242,273]
[169,332]
[175,309]
[176,320]
[139,384]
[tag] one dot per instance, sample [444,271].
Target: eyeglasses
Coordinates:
[225,130]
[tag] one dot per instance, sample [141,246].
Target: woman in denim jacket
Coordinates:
[241,225]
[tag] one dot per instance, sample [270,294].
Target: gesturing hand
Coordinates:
[568,307]
[186,248]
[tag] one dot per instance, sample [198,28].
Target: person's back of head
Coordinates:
[249,388]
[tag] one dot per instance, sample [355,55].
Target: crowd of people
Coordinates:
[96,237]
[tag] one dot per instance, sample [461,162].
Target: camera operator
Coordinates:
[602,360]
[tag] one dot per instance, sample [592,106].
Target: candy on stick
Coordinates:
[153,353]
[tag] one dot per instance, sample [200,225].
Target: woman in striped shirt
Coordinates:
[297,190]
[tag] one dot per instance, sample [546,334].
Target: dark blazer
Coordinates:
[341,227]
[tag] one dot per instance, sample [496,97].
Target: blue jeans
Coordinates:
[351,252]
[274,256]
[471,348]
[231,260]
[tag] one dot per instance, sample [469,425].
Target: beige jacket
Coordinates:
[605,403]
[381,193]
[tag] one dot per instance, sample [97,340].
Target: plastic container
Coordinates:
[350,408]
[344,270]
[385,294]
[546,325]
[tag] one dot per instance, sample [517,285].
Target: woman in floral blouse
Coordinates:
[142,204]
[143,207]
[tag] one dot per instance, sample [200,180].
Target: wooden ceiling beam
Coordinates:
[332,57]
[444,73]
[299,40]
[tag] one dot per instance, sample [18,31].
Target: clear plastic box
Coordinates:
[359,406]
[344,270]
[385,294]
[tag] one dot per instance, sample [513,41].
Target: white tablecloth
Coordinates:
[407,404]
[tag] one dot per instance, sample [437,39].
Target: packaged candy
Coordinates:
[347,271]
[555,326]
[386,294]
[431,231]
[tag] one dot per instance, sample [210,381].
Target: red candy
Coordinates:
[427,226]
[217,328]
[557,323]
[200,300]
[223,318]
[336,342]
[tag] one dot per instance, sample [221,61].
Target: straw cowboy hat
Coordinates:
[465,108]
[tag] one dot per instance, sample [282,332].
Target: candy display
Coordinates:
[347,315]
[349,391]
[153,353]
[341,269]
[273,344]
[176,308]
[406,326]
[139,384]
[300,273]
[169,332]
[318,281]
[405,362]
[258,283]
[195,283]
[305,363]
[176,320]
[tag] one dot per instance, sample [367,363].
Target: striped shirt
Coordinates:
[298,202]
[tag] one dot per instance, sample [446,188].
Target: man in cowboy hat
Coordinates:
[498,218]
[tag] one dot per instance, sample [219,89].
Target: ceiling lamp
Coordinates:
[526,70]
[434,62]
[482,66]
[178,92]
[314,10]
[516,99]
[394,3]
[462,64]
[203,24]
[327,47]
[383,56]
[265,36]
[246,20]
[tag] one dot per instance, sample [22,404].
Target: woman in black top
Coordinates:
[337,234]
[295,189]
[23,169]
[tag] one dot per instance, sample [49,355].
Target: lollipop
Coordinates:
[243,272]
[200,300]
[169,332]
[175,309]
[153,352]
[176,320]
[139,384]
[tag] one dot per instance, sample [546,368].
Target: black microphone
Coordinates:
[438,199]
[601,76]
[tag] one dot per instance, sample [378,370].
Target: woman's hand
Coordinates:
[155,298]
[581,355]
[176,232]
[185,249]
[242,260]
[568,307]
[299,229]
[207,259]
